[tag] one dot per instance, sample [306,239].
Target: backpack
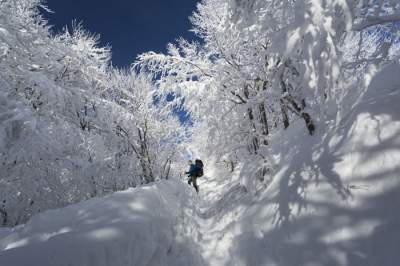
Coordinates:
[200,165]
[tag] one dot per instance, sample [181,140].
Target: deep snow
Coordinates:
[333,200]
[133,227]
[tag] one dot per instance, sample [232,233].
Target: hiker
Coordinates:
[195,171]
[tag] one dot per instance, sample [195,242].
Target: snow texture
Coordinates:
[133,227]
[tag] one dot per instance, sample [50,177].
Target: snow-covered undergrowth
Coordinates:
[150,225]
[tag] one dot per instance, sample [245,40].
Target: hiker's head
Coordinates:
[190,162]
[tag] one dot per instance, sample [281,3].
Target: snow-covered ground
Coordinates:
[332,201]
[145,226]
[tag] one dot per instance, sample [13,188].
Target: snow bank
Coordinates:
[333,201]
[135,227]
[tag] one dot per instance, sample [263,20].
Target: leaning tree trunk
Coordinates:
[288,100]
[299,110]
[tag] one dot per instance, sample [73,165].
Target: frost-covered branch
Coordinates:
[370,21]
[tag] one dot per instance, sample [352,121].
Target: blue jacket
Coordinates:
[193,170]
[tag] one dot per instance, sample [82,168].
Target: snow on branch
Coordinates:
[376,20]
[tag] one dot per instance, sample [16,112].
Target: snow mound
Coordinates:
[133,227]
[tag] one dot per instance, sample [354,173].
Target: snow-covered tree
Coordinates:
[71,126]
[263,64]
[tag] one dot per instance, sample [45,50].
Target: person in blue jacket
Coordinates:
[193,173]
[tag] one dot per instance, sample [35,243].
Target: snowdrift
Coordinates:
[133,227]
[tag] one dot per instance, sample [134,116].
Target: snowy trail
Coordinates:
[164,223]
[215,217]
[212,242]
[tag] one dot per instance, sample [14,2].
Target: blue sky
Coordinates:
[131,27]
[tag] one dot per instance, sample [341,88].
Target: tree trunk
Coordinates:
[264,122]
[285,116]
[300,111]
[255,143]
[254,139]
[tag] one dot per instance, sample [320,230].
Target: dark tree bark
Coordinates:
[285,117]
[299,110]
[264,122]
[255,142]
